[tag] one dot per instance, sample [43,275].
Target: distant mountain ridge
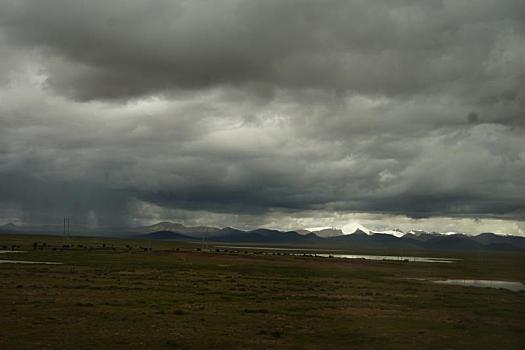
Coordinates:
[197,231]
[334,238]
[328,232]
[164,235]
[361,238]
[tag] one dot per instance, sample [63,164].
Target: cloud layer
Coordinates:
[253,109]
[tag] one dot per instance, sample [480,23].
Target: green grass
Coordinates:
[164,299]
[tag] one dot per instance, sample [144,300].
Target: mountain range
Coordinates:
[361,238]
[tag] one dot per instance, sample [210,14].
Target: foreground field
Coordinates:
[111,294]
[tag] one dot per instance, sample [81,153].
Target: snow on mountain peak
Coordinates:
[353,227]
[393,232]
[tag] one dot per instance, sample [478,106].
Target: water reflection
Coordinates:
[387,257]
[513,286]
[28,262]
[24,261]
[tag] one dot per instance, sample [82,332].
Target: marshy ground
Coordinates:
[112,294]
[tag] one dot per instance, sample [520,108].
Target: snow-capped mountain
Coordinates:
[394,232]
[358,228]
[354,227]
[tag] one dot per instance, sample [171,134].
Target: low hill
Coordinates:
[489,238]
[165,235]
[194,231]
[452,242]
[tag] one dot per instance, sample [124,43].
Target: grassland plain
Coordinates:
[111,294]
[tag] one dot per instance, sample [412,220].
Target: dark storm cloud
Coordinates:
[121,49]
[48,200]
[262,107]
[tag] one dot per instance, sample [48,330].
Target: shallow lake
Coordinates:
[387,258]
[28,262]
[269,248]
[509,285]
[24,261]
[346,256]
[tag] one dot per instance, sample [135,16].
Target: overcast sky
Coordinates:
[273,113]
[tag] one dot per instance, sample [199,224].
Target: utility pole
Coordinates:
[66,232]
